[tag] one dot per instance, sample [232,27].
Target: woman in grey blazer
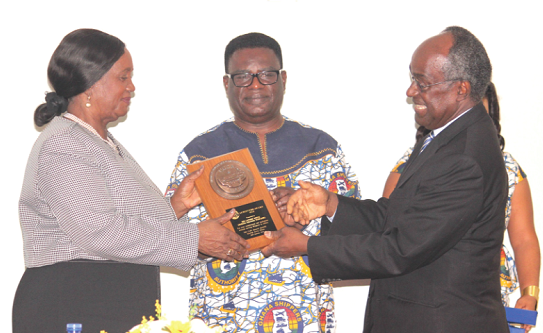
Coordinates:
[95,227]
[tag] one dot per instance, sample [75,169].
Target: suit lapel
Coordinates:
[417,160]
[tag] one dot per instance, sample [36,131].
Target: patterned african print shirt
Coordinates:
[508,269]
[268,294]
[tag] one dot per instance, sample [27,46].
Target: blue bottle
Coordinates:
[73,328]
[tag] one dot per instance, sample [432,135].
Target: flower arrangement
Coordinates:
[192,325]
[161,324]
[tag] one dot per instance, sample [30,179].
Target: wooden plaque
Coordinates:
[233,181]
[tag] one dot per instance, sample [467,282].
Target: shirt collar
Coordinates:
[91,129]
[439,130]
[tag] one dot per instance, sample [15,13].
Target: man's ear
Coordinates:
[464,90]
[284,77]
[225,81]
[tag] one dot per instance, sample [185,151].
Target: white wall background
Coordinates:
[347,64]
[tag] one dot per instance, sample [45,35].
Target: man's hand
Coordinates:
[186,197]
[217,241]
[311,201]
[280,196]
[288,242]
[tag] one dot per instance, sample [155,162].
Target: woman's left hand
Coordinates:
[186,197]
[526,302]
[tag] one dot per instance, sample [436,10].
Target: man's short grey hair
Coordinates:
[468,61]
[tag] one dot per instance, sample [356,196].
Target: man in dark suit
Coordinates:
[432,250]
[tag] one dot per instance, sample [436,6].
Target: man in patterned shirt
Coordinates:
[261,294]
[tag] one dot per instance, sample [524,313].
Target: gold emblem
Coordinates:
[231,179]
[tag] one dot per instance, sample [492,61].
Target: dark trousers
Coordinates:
[101,295]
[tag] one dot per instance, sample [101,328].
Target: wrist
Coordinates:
[331,204]
[532,291]
[180,211]
[302,248]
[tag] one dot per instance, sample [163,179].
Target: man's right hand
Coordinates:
[280,196]
[217,241]
[311,201]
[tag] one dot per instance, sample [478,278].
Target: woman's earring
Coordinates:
[88,104]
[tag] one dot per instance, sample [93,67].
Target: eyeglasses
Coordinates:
[423,87]
[246,79]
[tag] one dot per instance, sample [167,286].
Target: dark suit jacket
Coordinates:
[433,249]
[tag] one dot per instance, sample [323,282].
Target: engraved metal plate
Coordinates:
[252,219]
[231,179]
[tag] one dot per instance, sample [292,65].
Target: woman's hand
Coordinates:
[217,241]
[526,302]
[525,244]
[186,197]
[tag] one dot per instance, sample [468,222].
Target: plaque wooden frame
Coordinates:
[216,205]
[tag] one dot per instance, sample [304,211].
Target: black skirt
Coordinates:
[101,295]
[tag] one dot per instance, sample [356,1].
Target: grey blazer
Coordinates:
[433,249]
[82,199]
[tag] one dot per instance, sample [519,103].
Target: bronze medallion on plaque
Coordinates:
[233,181]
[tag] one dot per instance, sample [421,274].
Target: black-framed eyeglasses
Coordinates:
[424,87]
[246,79]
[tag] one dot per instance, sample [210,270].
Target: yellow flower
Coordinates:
[193,312]
[178,327]
[158,308]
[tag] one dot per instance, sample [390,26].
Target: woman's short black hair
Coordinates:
[81,59]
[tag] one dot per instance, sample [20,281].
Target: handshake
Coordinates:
[297,209]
